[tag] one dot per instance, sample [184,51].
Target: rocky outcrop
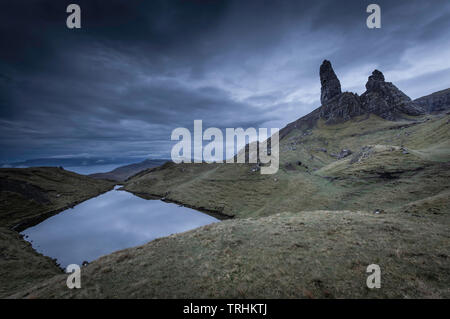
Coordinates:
[375,81]
[336,106]
[342,154]
[436,102]
[381,98]
[331,87]
[342,108]
[386,100]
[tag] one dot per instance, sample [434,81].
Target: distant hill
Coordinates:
[435,102]
[68,162]
[122,173]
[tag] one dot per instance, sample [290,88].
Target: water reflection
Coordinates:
[110,222]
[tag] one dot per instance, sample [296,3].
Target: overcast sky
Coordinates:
[138,69]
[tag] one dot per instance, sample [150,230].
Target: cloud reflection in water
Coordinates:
[110,222]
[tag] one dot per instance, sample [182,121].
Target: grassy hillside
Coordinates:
[391,165]
[28,196]
[121,173]
[21,266]
[309,254]
[308,231]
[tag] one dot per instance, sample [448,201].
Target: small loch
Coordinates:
[113,221]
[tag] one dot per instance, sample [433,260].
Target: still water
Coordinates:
[107,223]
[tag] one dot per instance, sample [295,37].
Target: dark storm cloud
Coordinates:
[138,69]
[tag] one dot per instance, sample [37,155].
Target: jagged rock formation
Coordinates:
[381,98]
[436,102]
[386,100]
[375,81]
[342,108]
[331,86]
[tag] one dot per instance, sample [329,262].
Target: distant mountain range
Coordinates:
[124,172]
[71,162]
[115,169]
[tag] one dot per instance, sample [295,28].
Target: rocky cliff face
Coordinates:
[342,108]
[436,102]
[381,98]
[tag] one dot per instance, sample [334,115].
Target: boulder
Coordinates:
[344,153]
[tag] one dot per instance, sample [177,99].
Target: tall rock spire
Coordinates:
[331,86]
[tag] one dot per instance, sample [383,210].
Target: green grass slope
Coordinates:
[28,196]
[391,165]
[316,254]
[308,231]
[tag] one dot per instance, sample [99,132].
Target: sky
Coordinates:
[136,70]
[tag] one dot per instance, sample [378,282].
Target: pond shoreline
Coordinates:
[21,250]
[35,220]
[22,265]
[101,225]
[214,213]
